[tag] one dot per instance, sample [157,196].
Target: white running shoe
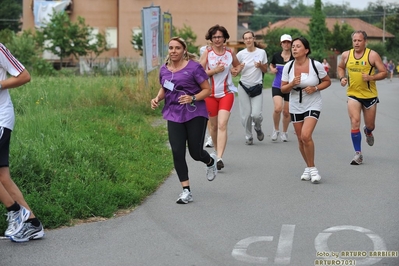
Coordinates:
[212,170]
[284,136]
[28,232]
[306,174]
[16,221]
[209,142]
[185,197]
[275,135]
[314,175]
[357,159]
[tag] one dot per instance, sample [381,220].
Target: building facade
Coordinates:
[119,18]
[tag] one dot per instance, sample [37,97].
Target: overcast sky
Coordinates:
[358,4]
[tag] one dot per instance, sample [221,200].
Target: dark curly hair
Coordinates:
[212,31]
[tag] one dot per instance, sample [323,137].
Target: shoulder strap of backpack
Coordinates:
[290,67]
[315,70]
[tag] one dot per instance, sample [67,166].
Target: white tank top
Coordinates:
[221,82]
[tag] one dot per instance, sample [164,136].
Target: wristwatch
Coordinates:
[193,99]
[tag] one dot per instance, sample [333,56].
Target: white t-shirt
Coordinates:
[250,75]
[202,50]
[8,64]
[309,101]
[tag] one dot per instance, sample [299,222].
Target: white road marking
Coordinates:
[321,245]
[285,244]
[240,249]
[284,248]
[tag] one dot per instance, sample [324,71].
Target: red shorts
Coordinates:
[215,104]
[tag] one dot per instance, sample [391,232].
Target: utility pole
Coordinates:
[383,27]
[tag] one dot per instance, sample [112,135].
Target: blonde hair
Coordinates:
[186,56]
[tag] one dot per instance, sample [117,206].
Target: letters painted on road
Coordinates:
[321,245]
[284,247]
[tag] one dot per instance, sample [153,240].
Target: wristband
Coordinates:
[316,88]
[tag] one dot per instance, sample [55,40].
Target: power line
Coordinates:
[329,16]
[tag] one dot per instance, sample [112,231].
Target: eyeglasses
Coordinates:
[217,37]
[248,39]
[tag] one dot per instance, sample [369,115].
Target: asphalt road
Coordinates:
[257,211]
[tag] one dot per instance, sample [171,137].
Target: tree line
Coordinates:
[321,38]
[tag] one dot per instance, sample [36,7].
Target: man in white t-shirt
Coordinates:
[22,223]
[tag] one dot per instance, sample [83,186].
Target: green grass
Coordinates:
[85,146]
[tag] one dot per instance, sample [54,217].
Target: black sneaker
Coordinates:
[259,134]
[28,232]
[220,164]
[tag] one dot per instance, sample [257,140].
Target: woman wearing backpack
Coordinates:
[304,78]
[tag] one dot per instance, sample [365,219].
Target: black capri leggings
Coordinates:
[193,133]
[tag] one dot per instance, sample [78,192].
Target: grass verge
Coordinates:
[86,147]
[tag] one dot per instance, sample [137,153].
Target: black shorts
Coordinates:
[5,136]
[367,103]
[295,118]
[277,92]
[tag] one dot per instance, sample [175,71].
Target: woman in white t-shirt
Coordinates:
[253,62]
[304,84]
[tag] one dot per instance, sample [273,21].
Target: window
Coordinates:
[111,37]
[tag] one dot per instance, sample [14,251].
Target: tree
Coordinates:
[317,32]
[272,39]
[137,42]
[188,35]
[96,46]
[6,36]
[392,25]
[340,38]
[24,47]
[65,38]
[10,15]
